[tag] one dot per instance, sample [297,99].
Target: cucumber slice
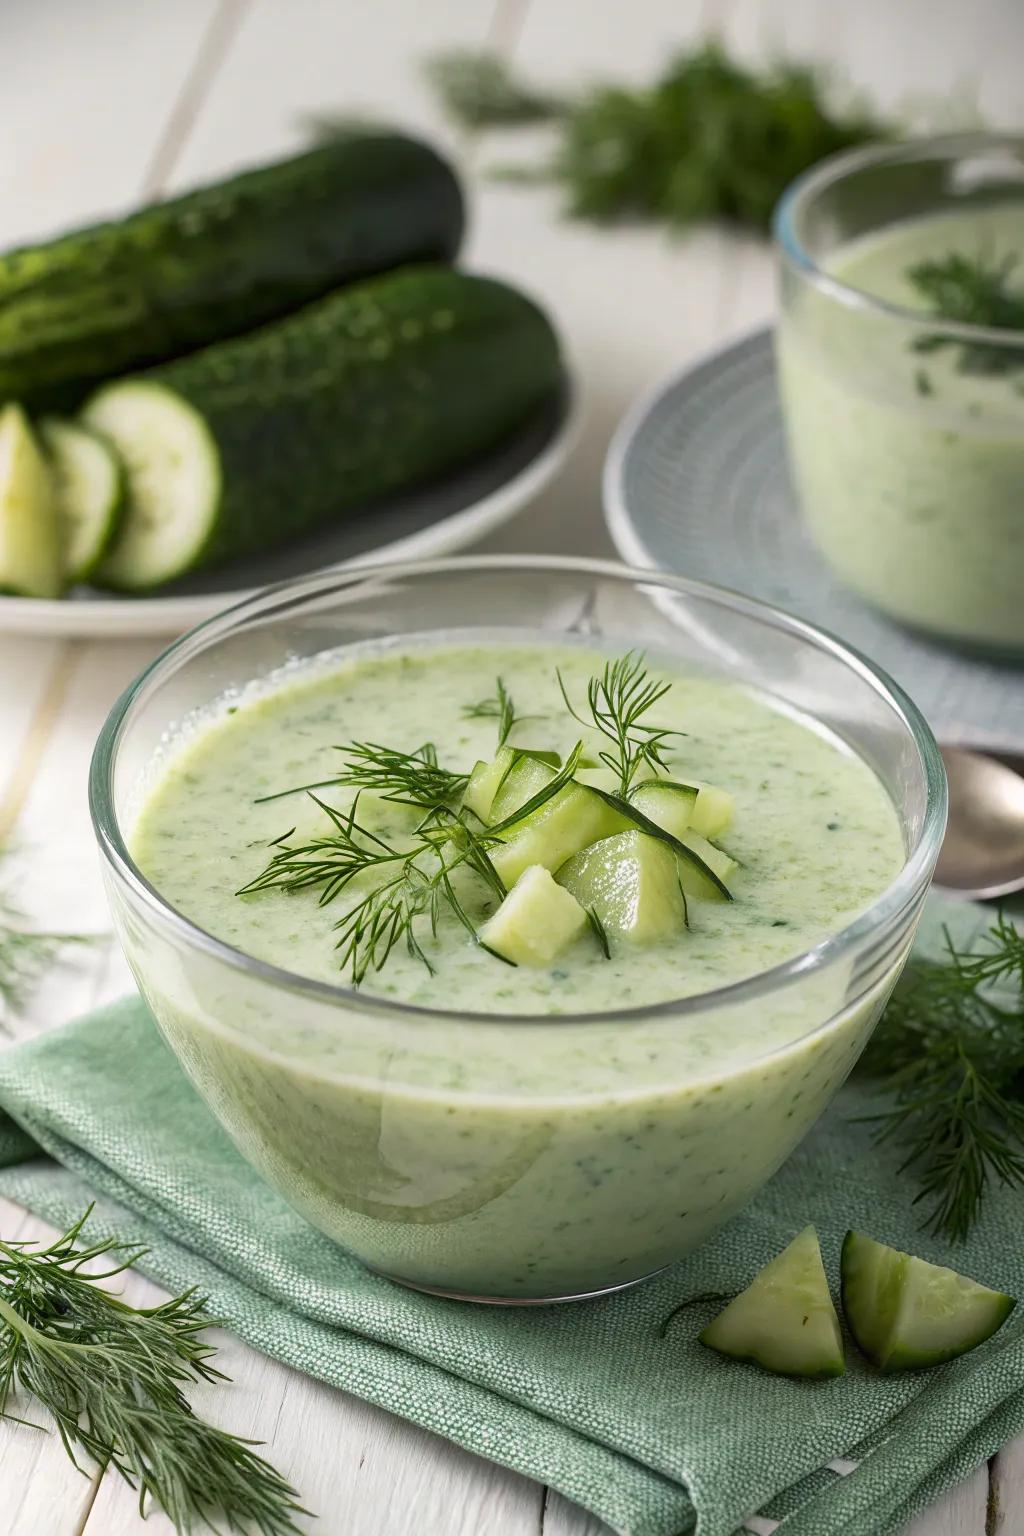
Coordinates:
[784,1320]
[30,553]
[89,489]
[713,811]
[630,881]
[669,804]
[906,1314]
[172,482]
[572,819]
[535,922]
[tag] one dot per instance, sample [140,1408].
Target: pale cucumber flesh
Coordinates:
[524,778]
[630,881]
[536,921]
[571,819]
[172,482]
[906,1314]
[89,490]
[30,545]
[785,1320]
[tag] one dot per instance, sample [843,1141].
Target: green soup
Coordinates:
[565,1150]
[910,466]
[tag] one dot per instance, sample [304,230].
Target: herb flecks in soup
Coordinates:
[586,835]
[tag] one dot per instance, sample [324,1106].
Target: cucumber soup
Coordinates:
[910,457]
[574,1146]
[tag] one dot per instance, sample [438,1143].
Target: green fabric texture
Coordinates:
[641,1424]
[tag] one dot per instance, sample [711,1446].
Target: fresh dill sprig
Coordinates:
[500,707]
[950,1052]
[708,138]
[415,882]
[972,290]
[112,1377]
[25,954]
[404,778]
[420,888]
[617,700]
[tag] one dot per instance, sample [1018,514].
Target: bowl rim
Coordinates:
[835,168]
[908,885]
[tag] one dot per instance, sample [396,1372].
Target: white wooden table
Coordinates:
[104,102]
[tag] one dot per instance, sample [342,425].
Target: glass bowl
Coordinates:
[906,433]
[614,1158]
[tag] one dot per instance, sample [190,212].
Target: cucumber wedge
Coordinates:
[571,819]
[89,487]
[485,781]
[535,922]
[30,548]
[697,876]
[784,1321]
[906,1314]
[523,778]
[669,804]
[630,881]
[713,811]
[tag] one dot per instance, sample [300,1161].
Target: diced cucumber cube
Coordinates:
[905,1313]
[572,819]
[669,805]
[535,922]
[784,1321]
[484,783]
[631,882]
[526,776]
[713,811]
[693,879]
[31,559]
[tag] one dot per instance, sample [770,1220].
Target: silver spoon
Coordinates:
[983,851]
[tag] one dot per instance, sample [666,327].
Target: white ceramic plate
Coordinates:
[696,481]
[434,520]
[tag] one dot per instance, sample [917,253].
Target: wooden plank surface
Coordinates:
[113,100]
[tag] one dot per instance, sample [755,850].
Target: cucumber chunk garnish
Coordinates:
[535,922]
[172,482]
[630,881]
[573,818]
[906,1314]
[713,811]
[669,804]
[30,545]
[784,1321]
[89,488]
[485,781]
[523,779]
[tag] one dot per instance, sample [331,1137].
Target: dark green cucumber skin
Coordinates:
[216,262]
[382,386]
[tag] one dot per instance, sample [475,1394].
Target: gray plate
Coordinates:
[696,481]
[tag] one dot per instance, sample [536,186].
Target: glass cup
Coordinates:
[498,1157]
[906,433]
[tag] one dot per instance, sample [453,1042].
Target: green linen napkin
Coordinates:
[655,1434]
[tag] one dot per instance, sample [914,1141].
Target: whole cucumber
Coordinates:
[218,261]
[253,442]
